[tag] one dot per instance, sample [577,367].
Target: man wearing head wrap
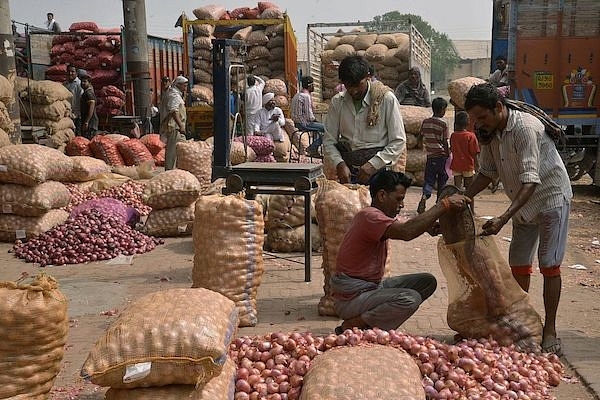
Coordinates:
[253,101]
[413,91]
[172,123]
[269,123]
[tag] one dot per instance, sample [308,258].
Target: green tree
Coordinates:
[443,54]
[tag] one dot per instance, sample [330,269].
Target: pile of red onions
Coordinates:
[273,366]
[78,196]
[89,236]
[130,193]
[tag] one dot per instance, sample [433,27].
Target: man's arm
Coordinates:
[493,226]
[331,137]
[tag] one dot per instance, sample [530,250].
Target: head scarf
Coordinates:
[267,98]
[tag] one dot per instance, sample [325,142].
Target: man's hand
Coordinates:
[493,226]
[456,201]
[365,171]
[343,172]
[434,229]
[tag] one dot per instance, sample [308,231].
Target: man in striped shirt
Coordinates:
[434,136]
[303,115]
[516,148]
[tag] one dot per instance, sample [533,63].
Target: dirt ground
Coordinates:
[98,291]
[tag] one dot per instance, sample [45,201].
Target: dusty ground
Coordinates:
[98,291]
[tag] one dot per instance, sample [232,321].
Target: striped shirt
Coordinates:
[302,111]
[524,153]
[434,131]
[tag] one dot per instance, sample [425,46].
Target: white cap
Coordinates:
[180,79]
[267,98]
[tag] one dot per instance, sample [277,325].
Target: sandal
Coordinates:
[554,346]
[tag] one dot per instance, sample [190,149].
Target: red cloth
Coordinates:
[464,147]
[362,253]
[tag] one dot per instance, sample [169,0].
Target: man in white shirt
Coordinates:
[269,122]
[73,83]
[253,101]
[172,124]
[51,23]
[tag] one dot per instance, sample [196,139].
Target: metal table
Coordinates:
[279,178]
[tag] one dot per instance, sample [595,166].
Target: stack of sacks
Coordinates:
[33,326]
[164,340]
[111,101]
[156,147]
[387,52]
[265,44]
[279,89]
[413,117]
[285,224]
[261,145]
[7,127]
[228,250]
[105,148]
[238,153]
[119,150]
[50,108]
[88,47]
[30,201]
[196,157]
[172,195]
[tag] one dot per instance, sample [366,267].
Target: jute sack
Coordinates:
[168,222]
[336,205]
[13,227]
[173,188]
[221,387]
[483,297]
[196,157]
[47,92]
[33,201]
[32,164]
[228,250]
[182,334]
[33,328]
[330,377]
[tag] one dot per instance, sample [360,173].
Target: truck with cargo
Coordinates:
[391,53]
[269,50]
[552,50]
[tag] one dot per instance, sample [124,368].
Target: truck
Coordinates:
[418,53]
[200,116]
[551,48]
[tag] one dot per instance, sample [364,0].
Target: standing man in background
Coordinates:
[172,124]
[73,83]
[51,23]
[89,118]
[253,103]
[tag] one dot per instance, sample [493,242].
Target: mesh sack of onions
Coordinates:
[289,240]
[228,257]
[196,157]
[399,165]
[183,333]
[32,164]
[153,143]
[86,168]
[176,221]
[336,205]
[110,208]
[326,380]
[262,145]
[173,188]
[238,154]
[106,149]
[413,117]
[221,387]
[134,152]
[91,235]
[13,227]
[78,146]
[159,158]
[286,211]
[483,297]
[458,89]
[33,201]
[33,327]
[129,192]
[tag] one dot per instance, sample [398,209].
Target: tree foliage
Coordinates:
[443,54]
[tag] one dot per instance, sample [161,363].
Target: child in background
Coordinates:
[465,148]
[434,135]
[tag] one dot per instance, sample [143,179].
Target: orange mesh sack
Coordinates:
[168,222]
[354,373]
[153,143]
[228,257]
[78,146]
[483,297]
[33,328]
[134,152]
[221,387]
[175,336]
[105,149]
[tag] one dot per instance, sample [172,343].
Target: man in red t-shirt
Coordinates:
[465,148]
[361,296]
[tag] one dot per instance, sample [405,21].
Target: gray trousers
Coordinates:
[173,137]
[387,305]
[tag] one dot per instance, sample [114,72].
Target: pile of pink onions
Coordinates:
[273,366]
[130,193]
[89,236]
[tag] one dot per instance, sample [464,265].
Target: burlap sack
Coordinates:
[228,256]
[257,38]
[55,111]
[47,92]
[347,39]
[33,326]
[209,12]
[243,33]
[416,160]
[32,164]
[59,139]
[363,42]
[183,333]
[275,86]
[256,52]
[170,222]
[336,205]
[203,29]
[413,117]
[387,39]
[33,201]
[6,123]
[87,168]
[342,51]
[458,89]
[376,52]
[203,42]
[290,240]
[332,43]
[13,227]
[220,387]
[483,297]
[196,157]
[330,377]
[172,188]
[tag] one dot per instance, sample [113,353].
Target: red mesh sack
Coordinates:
[159,158]
[239,13]
[112,102]
[91,51]
[103,77]
[117,61]
[78,146]
[105,149]
[60,39]
[84,26]
[104,111]
[111,90]
[253,13]
[263,5]
[93,41]
[153,143]
[66,58]
[134,152]
[57,50]
[91,64]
